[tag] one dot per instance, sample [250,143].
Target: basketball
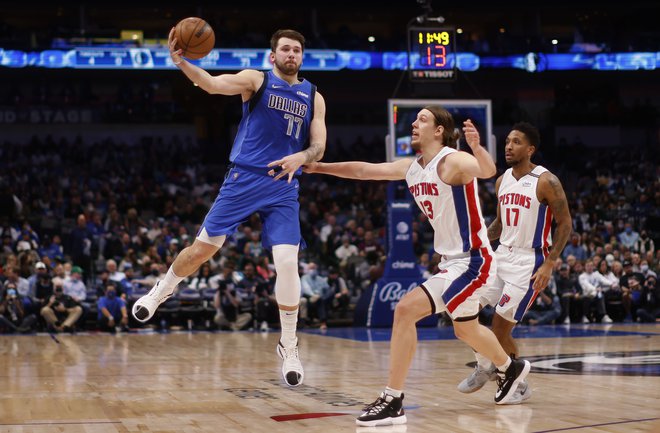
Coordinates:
[195,37]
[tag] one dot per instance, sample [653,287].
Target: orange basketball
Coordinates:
[195,37]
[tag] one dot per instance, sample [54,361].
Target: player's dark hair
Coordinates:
[530,131]
[286,33]
[444,118]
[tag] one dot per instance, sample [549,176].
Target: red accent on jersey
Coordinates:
[473,212]
[546,229]
[475,284]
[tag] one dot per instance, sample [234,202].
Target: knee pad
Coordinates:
[287,282]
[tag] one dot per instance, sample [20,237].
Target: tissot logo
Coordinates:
[637,363]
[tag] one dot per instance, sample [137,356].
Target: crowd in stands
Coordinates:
[155,99]
[87,229]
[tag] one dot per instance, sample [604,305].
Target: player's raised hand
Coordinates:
[471,134]
[175,53]
[288,165]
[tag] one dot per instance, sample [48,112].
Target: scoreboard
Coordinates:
[432,53]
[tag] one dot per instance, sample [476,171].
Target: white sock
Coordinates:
[483,362]
[171,279]
[289,322]
[502,368]
[393,392]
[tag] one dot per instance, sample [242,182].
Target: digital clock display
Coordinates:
[431,53]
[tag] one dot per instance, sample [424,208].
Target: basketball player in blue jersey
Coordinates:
[529,198]
[281,113]
[443,182]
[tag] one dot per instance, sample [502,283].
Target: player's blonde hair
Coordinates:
[444,118]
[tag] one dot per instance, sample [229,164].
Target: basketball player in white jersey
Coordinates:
[529,197]
[443,182]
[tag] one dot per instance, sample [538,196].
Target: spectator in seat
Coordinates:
[112,310]
[12,314]
[649,301]
[593,285]
[316,291]
[62,312]
[545,310]
[341,297]
[568,291]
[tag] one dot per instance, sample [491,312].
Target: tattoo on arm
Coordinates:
[562,231]
[495,229]
[559,206]
[557,190]
[314,152]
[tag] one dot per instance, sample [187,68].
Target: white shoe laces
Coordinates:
[377,406]
[153,293]
[291,353]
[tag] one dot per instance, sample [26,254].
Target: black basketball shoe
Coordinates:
[508,381]
[386,410]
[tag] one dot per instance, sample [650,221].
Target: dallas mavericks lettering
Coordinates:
[287,105]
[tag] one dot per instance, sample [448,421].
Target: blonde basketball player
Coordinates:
[529,197]
[443,182]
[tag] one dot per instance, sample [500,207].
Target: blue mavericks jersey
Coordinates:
[275,122]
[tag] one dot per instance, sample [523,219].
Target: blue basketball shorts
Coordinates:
[244,193]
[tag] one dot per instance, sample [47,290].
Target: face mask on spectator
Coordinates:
[313,273]
[155,273]
[628,230]
[11,293]
[644,268]
[111,294]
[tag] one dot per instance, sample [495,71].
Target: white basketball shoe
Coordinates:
[292,369]
[145,307]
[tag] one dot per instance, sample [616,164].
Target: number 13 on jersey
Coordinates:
[427,206]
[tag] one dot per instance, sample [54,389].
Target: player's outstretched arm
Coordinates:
[362,170]
[551,192]
[317,136]
[244,83]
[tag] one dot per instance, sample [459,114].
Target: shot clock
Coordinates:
[431,53]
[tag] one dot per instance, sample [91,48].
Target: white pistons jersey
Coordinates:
[453,211]
[526,222]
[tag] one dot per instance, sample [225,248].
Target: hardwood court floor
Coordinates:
[229,382]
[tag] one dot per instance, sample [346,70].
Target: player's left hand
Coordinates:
[289,165]
[175,53]
[542,276]
[471,134]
